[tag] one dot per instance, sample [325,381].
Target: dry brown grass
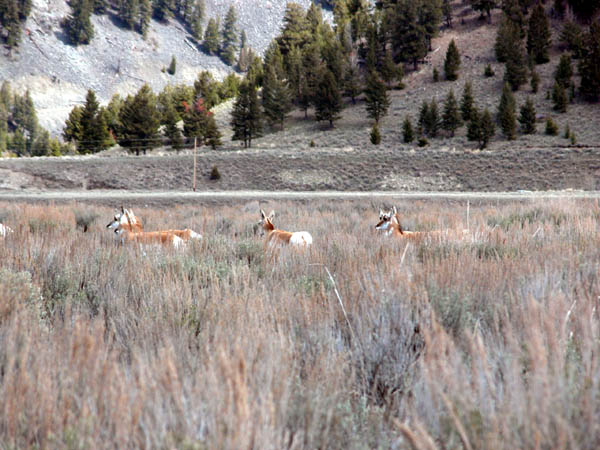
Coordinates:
[489,343]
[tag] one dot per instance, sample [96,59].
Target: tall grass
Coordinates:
[491,341]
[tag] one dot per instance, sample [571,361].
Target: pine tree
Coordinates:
[296,29]
[276,97]
[513,11]
[145,15]
[375,135]
[488,129]
[516,67]
[410,39]
[481,128]
[172,66]
[229,37]
[484,6]
[589,67]
[423,116]
[205,87]
[432,120]
[94,134]
[535,81]
[10,21]
[559,98]
[199,124]
[538,35]
[564,71]
[408,135]
[273,58]
[376,97]
[447,12]
[162,9]
[139,121]
[551,127]
[527,117]
[390,71]
[172,131]
[452,62]
[352,80]
[197,18]
[129,11]
[78,25]
[451,119]
[246,118]
[506,115]
[507,37]
[328,100]
[211,37]
[571,38]
[72,128]
[467,102]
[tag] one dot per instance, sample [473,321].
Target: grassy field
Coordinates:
[488,342]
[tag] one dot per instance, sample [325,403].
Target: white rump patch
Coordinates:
[301,238]
[4,230]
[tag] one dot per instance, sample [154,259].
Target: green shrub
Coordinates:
[215,174]
[551,127]
[375,135]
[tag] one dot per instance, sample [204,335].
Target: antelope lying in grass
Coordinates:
[390,223]
[4,230]
[280,238]
[129,228]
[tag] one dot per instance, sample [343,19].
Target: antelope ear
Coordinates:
[262,214]
[271,215]
[122,210]
[394,219]
[380,213]
[394,210]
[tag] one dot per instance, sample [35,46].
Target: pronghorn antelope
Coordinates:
[390,223]
[4,230]
[277,237]
[129,222]
[385,217]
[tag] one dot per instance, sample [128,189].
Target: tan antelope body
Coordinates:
[280,238]
[129,228]
[390,223]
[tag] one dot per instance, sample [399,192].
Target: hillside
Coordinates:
[343,157]
[118,60]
